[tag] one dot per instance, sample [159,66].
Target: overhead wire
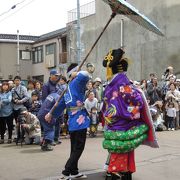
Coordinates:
[13,7]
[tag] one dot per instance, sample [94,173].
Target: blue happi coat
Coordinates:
[73,101]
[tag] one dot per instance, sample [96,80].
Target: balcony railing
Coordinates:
[85,10]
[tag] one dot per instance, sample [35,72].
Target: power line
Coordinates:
[13,7]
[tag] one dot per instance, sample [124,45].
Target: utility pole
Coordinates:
[78,34]
[18,64]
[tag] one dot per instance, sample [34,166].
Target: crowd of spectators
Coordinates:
[19,105]
[163,97]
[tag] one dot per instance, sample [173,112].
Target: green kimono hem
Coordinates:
[116,146]
[126,135]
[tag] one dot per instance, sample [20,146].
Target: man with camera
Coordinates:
[29,124]
[19,96]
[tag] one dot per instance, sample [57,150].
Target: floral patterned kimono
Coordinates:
[128,121]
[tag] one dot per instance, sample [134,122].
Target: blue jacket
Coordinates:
[6,108]
[46,106]
[73,100]
[48,88]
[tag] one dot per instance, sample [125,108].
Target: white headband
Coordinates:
[73,70]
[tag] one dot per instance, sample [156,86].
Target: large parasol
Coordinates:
[126,9]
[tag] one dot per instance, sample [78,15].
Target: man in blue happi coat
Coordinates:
[78,121]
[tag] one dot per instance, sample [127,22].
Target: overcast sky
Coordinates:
[35,17]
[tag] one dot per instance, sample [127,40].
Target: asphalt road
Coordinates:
[30,163]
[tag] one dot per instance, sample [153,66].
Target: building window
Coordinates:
[63,54]
[64,44]
[38,55]
[63,57]
[50,49]
[25,55]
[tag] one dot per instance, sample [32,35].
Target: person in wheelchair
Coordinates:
[30,124]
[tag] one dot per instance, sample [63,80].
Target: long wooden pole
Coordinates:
[112,16]
[82,63]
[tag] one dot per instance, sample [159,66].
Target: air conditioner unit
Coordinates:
[49,61]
